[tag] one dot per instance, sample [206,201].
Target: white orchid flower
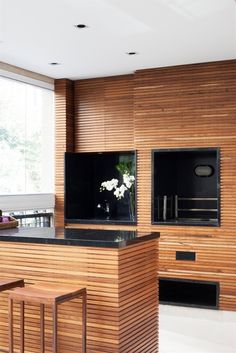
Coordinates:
[119,192]
[109,184]
[128,180]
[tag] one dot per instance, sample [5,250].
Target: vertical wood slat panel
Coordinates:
[64,139]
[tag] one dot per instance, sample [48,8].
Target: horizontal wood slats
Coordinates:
[122,295]
[138,288]
[186,107]
[104,114]
[89,115]
[215,261]
[64,139]
[173,107]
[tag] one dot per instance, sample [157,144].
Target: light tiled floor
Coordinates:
[192,330]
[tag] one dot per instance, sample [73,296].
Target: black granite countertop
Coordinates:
[77,237]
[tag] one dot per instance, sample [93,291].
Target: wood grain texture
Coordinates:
[122,295]
[186,107]
[104,114]
[64,139]
[215,261]
[138,299]
[174,107]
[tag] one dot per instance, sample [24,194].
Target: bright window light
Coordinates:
[26,138]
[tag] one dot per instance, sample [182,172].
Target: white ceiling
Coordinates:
[34,33]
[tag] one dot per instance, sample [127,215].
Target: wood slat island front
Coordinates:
[121,279]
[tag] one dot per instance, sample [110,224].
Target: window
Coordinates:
[26,138]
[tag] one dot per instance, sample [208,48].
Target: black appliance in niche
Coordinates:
[185,186]
[84,173]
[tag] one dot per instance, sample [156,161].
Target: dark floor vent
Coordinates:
[202,294]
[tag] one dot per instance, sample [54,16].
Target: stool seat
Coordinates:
[46,294]
[9,283]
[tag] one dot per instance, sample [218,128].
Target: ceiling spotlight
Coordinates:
[132,53]
[54,63]
[80,26]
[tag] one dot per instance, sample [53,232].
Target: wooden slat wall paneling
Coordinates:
[104,114]
[64,139]
[119,123]
[215,261]
[122,295]
[89,115]
[187,107]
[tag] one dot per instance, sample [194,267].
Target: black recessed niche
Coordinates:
[184,292]
[186,186]
[84,202]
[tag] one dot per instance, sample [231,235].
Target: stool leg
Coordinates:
[10,320]
[42,343]
[22,327]
[54,338]
[84,319]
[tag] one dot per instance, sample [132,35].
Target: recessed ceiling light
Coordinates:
[132,53]
[80,26]
[54,63]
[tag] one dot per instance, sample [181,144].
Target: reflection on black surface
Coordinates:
[191,221]
[99,235]
[84,173]
[77,237]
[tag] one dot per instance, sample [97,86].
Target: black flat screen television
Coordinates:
[84,200]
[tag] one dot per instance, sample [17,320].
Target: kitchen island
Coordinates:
[119,270]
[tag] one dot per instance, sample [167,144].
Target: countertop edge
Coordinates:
[77,242]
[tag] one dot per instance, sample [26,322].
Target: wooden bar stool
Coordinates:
[45,295]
